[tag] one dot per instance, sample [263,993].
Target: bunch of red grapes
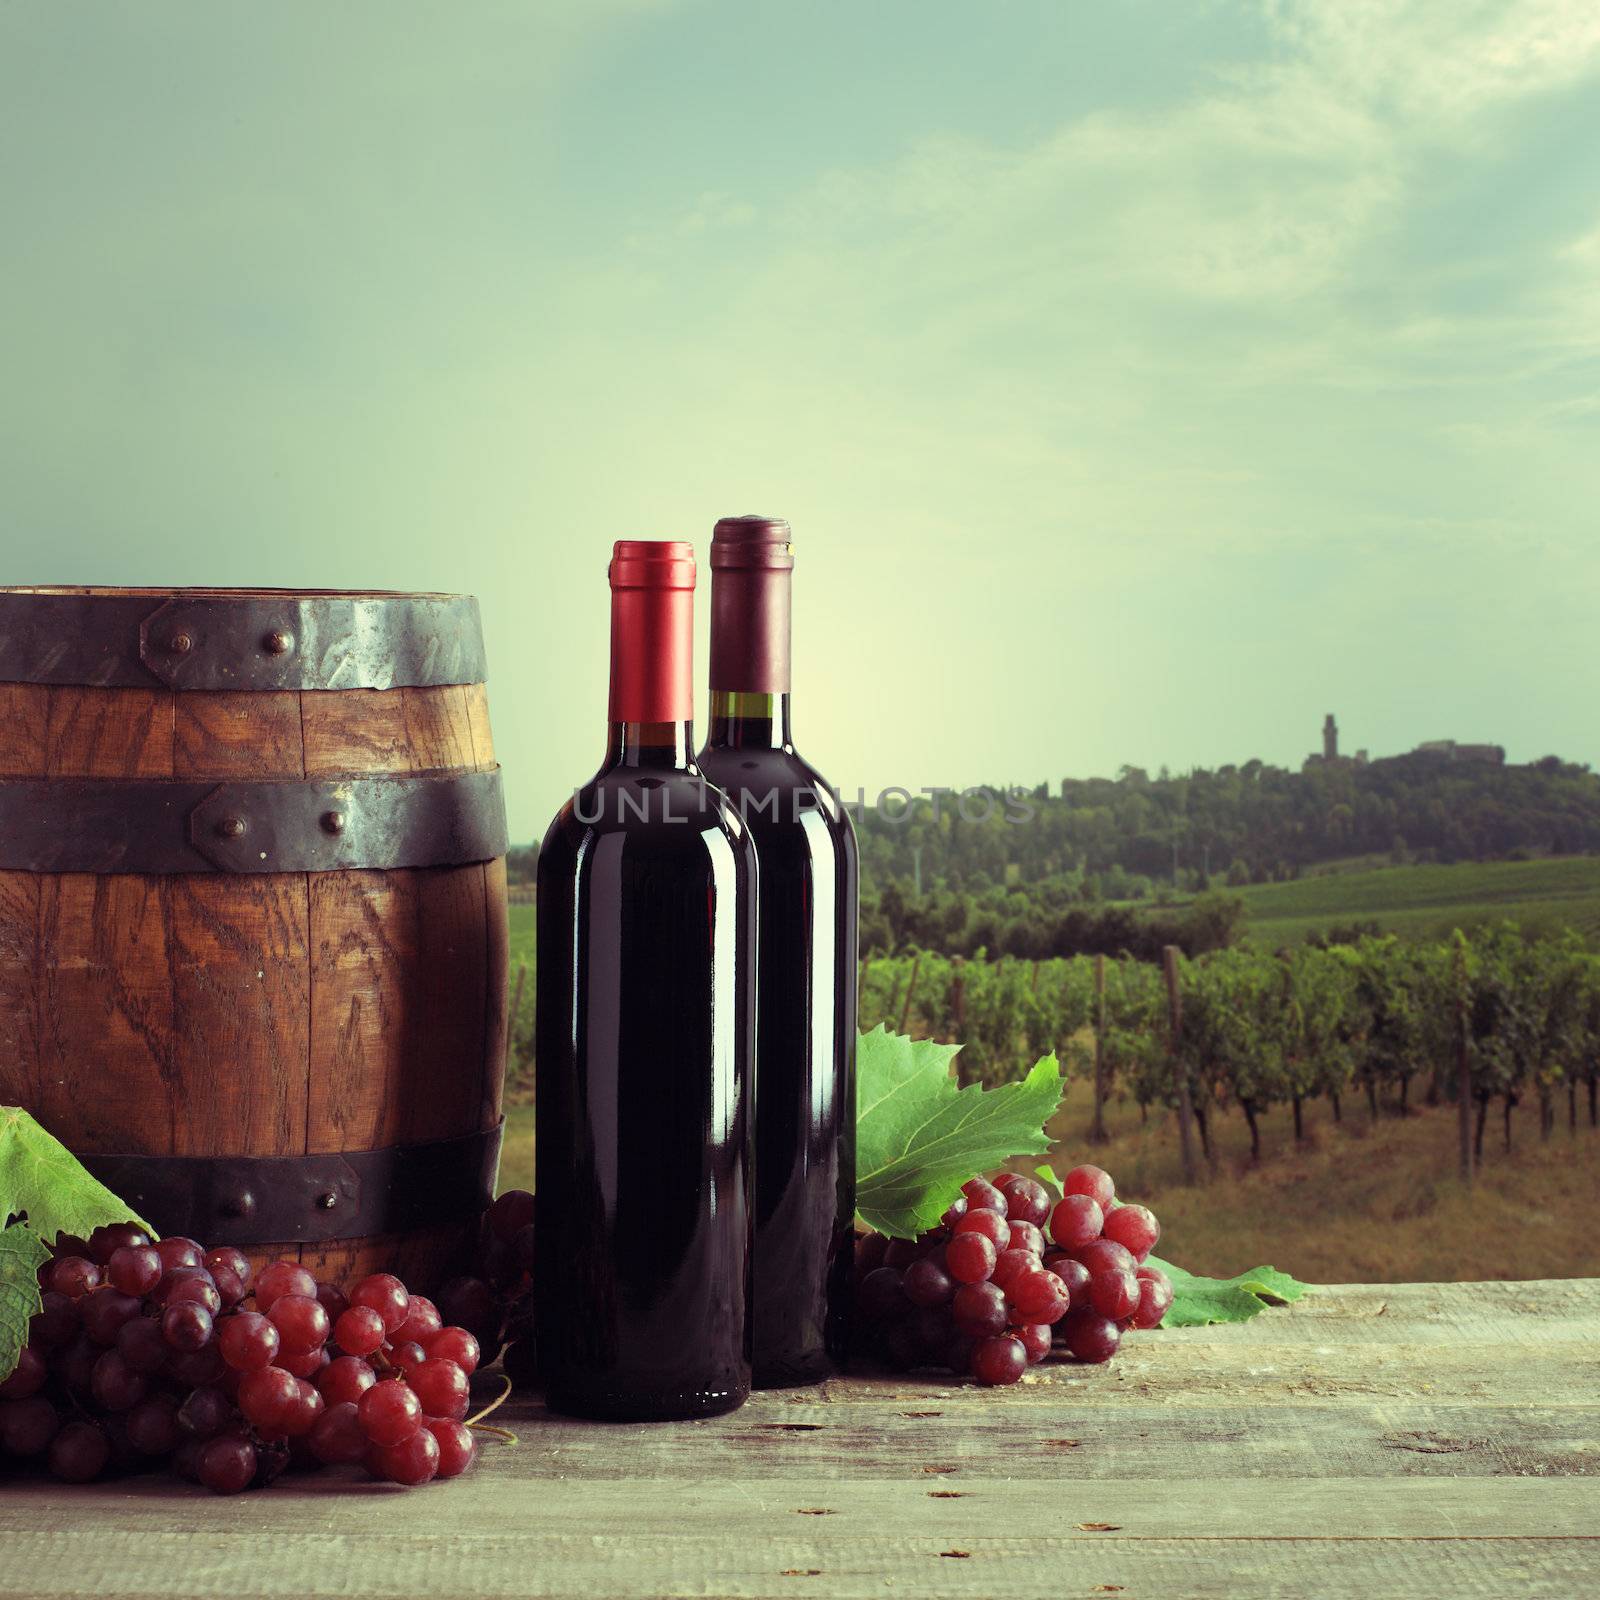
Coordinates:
[496,1302]
[987,1293]
[165,1352]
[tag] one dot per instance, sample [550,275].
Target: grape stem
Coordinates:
[476,1421]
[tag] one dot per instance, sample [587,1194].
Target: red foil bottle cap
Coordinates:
[652,630]
[751,563]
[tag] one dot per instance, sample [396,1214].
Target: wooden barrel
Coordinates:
[253,912]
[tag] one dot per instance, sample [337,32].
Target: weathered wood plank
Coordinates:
[221,1553]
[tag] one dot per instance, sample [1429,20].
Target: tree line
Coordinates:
[1118,838]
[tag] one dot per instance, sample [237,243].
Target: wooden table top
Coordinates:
[1413,1439]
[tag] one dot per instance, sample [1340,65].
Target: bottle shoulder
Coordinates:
[648,812]
[779,793]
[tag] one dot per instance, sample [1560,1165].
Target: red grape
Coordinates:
[1012,1264]
[422,1321]
[457,1345]
[979,1309]
[882,1296]
[390,1413]
[227,1465]
[1155,1298]
[115,1385]
[1135,1228]
[134,1269]
[205,1413]
[140,1344]
[345,1379]
[179,1252]
[442,1388]
[989,1224]
[1106,1255]
[27,1426]
[1092,1181]
[1089,1336]
[926,1283]
[414,1460]
[405,1356]
[1027,1201]
[303,1363]
[954,1212]
[386,1295]
[999,1359]
[301,1322]
[27,1377]
[1035,1337]
[226,1258]
[280,1278]
[74,1276]
[248,1341]
[55,1325]
[1039,1296]
[186,1327]
[153,1426]
[301,1413]
[114,1236]
[359,1331]
[1114,1294]
[510,1214]
[1076,1221]
[470,1303]
[969,1257]
[265,1396]
[336,1436]
[333,1300]
[79,1453]
[1026,1236]
[458,1449]
[981,1195]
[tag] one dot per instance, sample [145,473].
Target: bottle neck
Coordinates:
[663,746]
[745,720]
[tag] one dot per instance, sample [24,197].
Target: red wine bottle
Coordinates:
[645,1044]
[808,903]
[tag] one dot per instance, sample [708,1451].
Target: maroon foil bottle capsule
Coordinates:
[806,963]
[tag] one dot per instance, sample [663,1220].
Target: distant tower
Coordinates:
[1330,739]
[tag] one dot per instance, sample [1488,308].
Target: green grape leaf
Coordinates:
[1046,1174]
[44,1191]
[22,1253]
[919,1137]
[42,1180]
[1198,1301]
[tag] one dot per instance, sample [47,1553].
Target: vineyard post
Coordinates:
[1169,968]
[1097,1128]
[516,1011]
[1463,1068]
[958,1018]
[911,989]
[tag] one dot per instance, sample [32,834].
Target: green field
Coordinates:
[1428,902]
[521,939]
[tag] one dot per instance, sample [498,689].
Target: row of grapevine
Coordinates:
[1503,1017]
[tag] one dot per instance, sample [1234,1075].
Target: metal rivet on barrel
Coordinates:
[278,642]
[333,822]
[238,1205]
[180,644]
[232,827]
[327,1201]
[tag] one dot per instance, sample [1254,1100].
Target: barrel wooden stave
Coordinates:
[262,1014]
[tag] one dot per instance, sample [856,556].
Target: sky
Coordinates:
[1142,381]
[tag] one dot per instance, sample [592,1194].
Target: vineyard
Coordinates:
[1511,1021]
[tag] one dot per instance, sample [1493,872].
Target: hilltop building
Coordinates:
[1330,747]
[1449,750]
